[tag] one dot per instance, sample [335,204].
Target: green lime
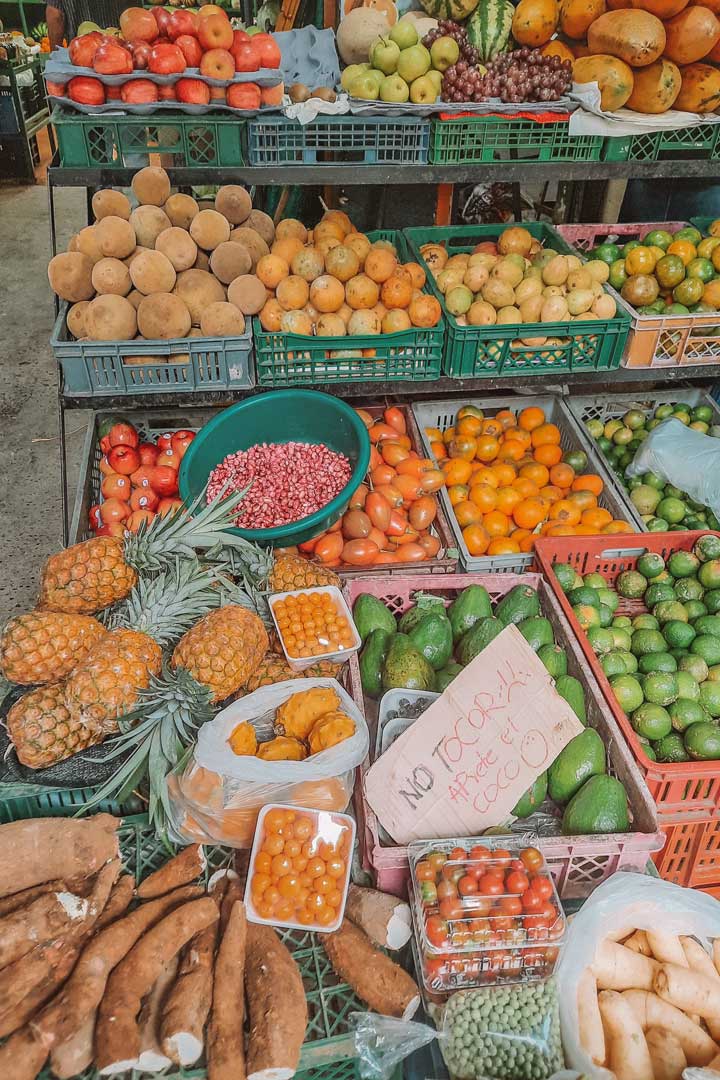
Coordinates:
[656,524]
[609,599]
[684,712]
[703,412]
[595,581]
[711,600]
[707,647]
[594,428]
[714,673]
[645,498]
[695,666]
[634,419]
[687,687]
[631,661]
[618,274]
[631,584]
[679,653]
[604,444]
[670,611]
[673,492]
[670,271]
[613,663]
[651,721]
[660,687]
[689,232]
[627,248]
[658,592]
[659,661]
[645,622]
[658,238]
[695,608]
[577,459]
[688,588]
[607,253]
[601,640]
[586,615]
[677,309]
[671,749]
[682,564]
[679,634]
[663,411]
[672,510]
[621,637]
[606,615]
[708,624]
[623,621]
[710,697]
[648,641]
[566,575]
[702,741]
[584,595]
[650,564]
[707,548]
[700,268]
[628,692]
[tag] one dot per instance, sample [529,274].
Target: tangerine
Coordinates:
[458,493]
[530,512]
[507,499]
[505,472]
[548,454]
[476,539]
[457,471]
[588,482]
[562,475]
[496,524]
[464,446]
[597,518]
[469,425]
[467,513]
[492,427]
[531,418]
[518,435]
[585,499]
[618,526]
[525,487]
[536,472]
[565,512]
[506,418]
[484,497]
[487,448]
[503,545]
[545,433]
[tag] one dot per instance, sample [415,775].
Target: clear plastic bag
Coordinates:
[623,903]
[683,457]
[218,795]
[382,1042]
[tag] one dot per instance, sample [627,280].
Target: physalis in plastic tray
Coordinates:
[483,912]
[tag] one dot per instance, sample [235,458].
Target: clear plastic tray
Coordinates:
[394,701]
[483,914]
[304,839]
[299,663]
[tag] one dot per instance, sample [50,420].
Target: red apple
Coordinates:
[217,64]
[121,433]
[166,60]
[267,50]
[246,59]
[138,24]
[148,453]
[82,49]
[209,9]
[244,96]
[139,92]
[123,459]
[181,440]
[166,93]
[164,441]
[87,91]
[215,32]
[114,528]
[192,91]
[55,89]
[192,49]
[162,17]
[238,37]
[182,22]
[164,480]
[140,54]
[112,59]
[272,95]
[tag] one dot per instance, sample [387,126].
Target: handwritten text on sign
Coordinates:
[463,765]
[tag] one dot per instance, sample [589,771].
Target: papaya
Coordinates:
[691,35]
[655,87]
[614,78]
[700,90]
[556,47]
[577,15]
[637,37]
[664,9]
[535,22]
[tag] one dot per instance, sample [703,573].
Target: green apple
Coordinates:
[393,88]
[413,63]
[404,34]
[351,72]
[86,28]
[444,52]
[436,77]
[423,90]
[384,55]
[364,86]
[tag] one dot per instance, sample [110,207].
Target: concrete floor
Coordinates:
[30,504]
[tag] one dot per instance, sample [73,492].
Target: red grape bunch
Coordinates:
[524,75]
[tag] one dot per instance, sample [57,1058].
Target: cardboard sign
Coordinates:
[468,759]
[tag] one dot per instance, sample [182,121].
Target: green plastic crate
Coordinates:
[118,142]
[332,140]
[701,141]
[475,140]
[300,360]
[477,351]
[62,803]
[703,224]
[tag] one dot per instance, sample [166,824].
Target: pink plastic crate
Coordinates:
[578,863]
[585,237]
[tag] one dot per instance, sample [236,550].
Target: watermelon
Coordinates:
[457,10]
[488,28]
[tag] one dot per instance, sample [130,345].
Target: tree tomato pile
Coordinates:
[485,914]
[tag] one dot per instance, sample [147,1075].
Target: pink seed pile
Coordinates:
[288,481]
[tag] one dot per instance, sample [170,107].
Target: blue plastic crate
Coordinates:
[335,140]
[97,368]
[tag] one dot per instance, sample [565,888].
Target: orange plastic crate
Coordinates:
[691,856]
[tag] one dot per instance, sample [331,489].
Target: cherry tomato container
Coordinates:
[299,663]
[299,869]
[484,911]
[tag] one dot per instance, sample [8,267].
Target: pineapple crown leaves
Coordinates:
[249,562]
[247,596]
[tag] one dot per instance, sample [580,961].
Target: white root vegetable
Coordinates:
[618,968]
[376,979]
[225,1039]
[714,1064]
[117,1034]
[652,1011]
[666,948]
[628,1054]
[689,990]
[22,899]
[385,919]
[666,1054]
[44,919]
[277,1006]
[590,1026]
[184,868]
[186,1008]
[151,1058]
[40,849]
[120,897]
[638,942]
[76,1054]
[699,960]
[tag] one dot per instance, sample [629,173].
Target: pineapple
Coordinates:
[45,646]
[275,669]
[92,575]
[291,572]
[222,650]
[42,730]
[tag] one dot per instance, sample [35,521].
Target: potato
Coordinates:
[181,209]
[151,186]
[111,276]
[87,242]
[198,290]
[148,222]
[76,319]
[202,261]
[247,293]
[135,297]
[178,246]
[152,272]
[134,254]
[222,319]
[162,316]
[229,261]
[209,229]
[234,203]
[116,237]
[70,276]
[252,241]
[110,318]
[110,203]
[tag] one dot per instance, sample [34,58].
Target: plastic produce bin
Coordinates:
[335,140]
[471,140]
[697,141]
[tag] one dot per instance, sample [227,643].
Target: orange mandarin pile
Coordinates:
[312,624]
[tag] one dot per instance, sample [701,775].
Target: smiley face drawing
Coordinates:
[534,749]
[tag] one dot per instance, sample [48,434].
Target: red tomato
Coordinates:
[543,887]
[503,924]
[424,871]
[532,858]
[446,888]
[457,854]
[478,905]
[517,883]
[436,930]
[489,885]
[180,440]
[532,901]
[148,453]
[451,908]
[480,929]
[510,905]
[517,864]
[501,857]
[164,480]
[479,854]
[496,872]
[467,885]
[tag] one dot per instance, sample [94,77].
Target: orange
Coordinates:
[496,523]
[469,425]
[503,545]
[565,512]
[434,434]
[476,539]
[585,499]
[530,512]
[617,526]
[596,518]
[463,446]
[470,410]
[585,530]
[640,260]
[506,418]
[684,249]
[484,475]
[467,513]
[492,427]
[449,434]
[457,471]
[457,493]
[507,499]
[562,474]
[525,486]
[588,482]
[560,530]
[520,534]
[528,542]
[484,497]
[518,435]
[505,472]
[545,433]
[511,450]
[550,493]
[438,450]
[549,454]
[537,473]
[531,418]
[487,448]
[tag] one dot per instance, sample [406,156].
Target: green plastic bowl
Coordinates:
[280,416]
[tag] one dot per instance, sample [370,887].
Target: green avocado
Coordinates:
[554,658]
[370,614]
[372,661]
[702,741]
[585,594]
[405,667]
[708,624]
[533,798]
[469,607]
[432,636]
[481,634]
[583,757]
[600,806]
[520,603]
[570,689]
[423,606]
[446,675]
[537,631]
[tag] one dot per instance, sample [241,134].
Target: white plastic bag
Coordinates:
[623,903]
[217,796]
[683,457]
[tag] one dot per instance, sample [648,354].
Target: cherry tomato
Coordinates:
[501,857]
[437,860]
[481,930]
[457,854]
[281,865]
[424,871]
[503,924]
[289,886]
[451,908]
[543,887]
[467,885]
[428,893]
[446,888]
[532,901]
[495,871]
[452,872]
[517,883]
[490,885]
[532,859]
[436,930]
[479,854]
[511,905]
[479,906]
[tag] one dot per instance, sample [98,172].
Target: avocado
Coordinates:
[570,689]
[422,607]
[469,607]
[708,624]
[583,757]
[533,798]
[520,603]
[584,595]
[600,806]
[554,658]
[446,675]
[405,667]
[702,741]
[566,575]
[537,631]
[372,661]
[432,636]
[370,614]
[473,643]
